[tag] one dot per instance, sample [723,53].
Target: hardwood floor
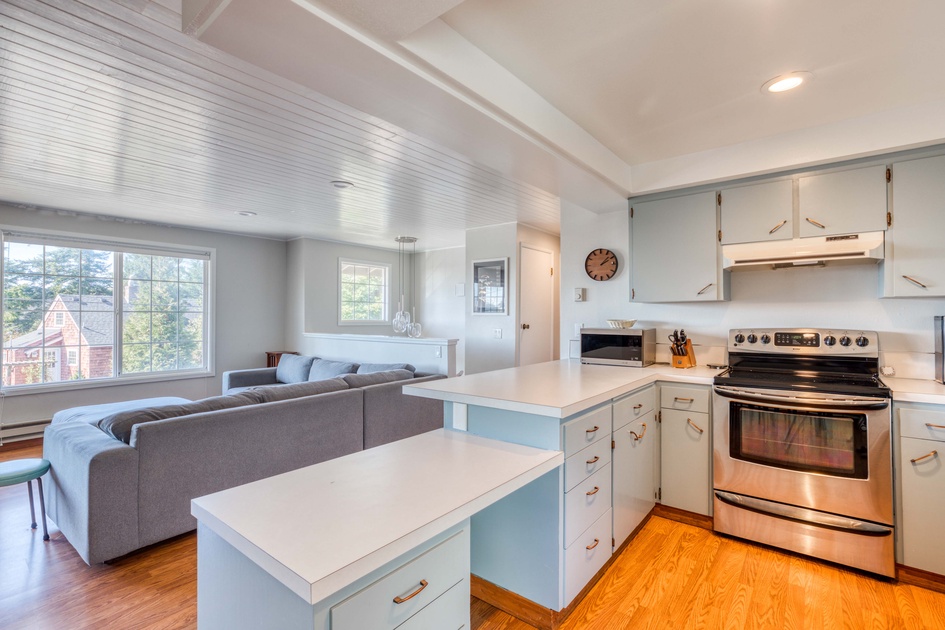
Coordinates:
[671,576]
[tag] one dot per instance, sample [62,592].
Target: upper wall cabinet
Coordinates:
[675,250]
[760,212]
[915,258]
[842,202]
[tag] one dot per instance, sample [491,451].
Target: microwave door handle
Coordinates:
[830,403]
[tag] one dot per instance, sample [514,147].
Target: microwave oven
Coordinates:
[633,347]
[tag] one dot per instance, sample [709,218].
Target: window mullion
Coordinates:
[119,299]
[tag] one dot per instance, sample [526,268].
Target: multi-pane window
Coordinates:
[84,310]
[364,292]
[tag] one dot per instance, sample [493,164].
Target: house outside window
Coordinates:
[103,311]
[364,292]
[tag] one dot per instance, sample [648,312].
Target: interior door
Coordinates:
[536,306]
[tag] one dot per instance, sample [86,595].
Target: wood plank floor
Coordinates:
[670,576]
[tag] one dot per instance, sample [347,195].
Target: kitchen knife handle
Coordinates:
[816,223]
[915,282]
[926,456]
[694,426]
[777,227]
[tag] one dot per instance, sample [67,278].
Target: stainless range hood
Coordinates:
[866,247]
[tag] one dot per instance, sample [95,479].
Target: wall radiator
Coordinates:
[15,431]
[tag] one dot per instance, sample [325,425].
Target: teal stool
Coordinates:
[20,470]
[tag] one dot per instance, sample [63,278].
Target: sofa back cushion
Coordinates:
[274,393]
[119,425]
[370,368]
[375,378]
[323,368]
[294,368]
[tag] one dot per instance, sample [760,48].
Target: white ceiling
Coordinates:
[447,115]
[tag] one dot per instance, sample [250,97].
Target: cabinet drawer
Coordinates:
[923,511]
[581,465]
[585,503]
[922,423]
[584,431]
[685,398]
[373,607]
[584,558]
[449,611]
[634,406]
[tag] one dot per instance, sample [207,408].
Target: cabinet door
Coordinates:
[761,212]
[634,446]
[675,254]
[684,467]
[842,202]
[923,509]
[918,205]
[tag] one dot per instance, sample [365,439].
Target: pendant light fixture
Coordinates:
[405,321]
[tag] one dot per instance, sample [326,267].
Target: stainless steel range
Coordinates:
[802,454]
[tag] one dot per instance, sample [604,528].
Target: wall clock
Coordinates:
[601,264]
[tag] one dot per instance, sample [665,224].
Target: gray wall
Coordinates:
[439,309]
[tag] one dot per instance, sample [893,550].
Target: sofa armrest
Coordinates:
[249,378]
[391,415]
[92,490]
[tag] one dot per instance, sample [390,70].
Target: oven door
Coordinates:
[817,451]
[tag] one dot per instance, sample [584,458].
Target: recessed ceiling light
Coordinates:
[245,213]
[340,183]
[785,82]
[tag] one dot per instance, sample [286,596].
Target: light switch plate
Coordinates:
[579,295]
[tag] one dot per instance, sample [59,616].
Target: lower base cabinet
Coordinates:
[586,555]
[634,448]
[686,449]
[922,488]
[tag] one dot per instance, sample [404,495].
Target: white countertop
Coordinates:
[557,388]
[915,390]
[320,528]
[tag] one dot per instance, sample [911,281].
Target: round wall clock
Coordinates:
[601,264]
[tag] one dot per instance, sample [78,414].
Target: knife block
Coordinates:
[687,360]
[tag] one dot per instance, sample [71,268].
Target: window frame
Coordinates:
[118,246]
[342,261]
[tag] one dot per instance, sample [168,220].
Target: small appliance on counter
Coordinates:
[631,347]
[940,349]
[681,349]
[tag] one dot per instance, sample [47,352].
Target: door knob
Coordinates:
[525,326]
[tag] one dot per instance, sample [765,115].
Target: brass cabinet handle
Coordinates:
[595,460]
[777,227]
[935,426]
[694,425]
[915,282]
[596,542]
[638,437]
[594,430]
[594,491]
[688,400]
[812,222]
[640,406]
[926,456]
[401,600]
[705,288]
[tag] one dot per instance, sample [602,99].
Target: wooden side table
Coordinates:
[272,358]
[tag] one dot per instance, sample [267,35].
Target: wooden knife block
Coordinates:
[687,360]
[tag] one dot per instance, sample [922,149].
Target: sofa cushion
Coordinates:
[323,368]
[274,393]
[375,378]
[119,425]
[370,368]
[92,414]
[294,368]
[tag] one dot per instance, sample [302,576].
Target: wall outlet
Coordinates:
[498,333]
[579,295]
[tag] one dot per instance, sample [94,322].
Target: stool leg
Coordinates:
[29,486]
[42,507]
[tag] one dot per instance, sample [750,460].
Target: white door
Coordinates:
[536,306]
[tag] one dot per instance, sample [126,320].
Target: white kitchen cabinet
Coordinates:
[915,259]
[634,443]
[842,202]
[756,213]
[685,449]
[922,479]
[675,253]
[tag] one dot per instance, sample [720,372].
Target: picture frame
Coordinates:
[490,294]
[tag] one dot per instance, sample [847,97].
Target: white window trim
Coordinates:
[387,298]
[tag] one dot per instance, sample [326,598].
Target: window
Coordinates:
[363,292]
[140,311]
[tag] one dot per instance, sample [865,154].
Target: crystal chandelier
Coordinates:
[405,321]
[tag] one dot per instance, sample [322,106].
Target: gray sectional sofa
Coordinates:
[123,476]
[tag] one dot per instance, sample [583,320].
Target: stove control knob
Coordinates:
[862,341]
[752,337]
[830,340]
[766,338]
[845,341]
[739,338]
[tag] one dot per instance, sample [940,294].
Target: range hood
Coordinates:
[866,247]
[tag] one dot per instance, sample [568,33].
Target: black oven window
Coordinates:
[822,442]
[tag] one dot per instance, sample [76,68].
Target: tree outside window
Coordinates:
[364,292]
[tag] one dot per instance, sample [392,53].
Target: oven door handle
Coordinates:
[804,515]
[828,403]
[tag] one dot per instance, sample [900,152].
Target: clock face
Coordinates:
[601,264]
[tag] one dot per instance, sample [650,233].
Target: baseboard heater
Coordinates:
[15,431]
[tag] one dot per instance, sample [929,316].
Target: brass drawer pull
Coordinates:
[594,430]
[935,426]
[694,425]
[915,282]
[595,460]
[640,406]
[815,223]
[638,437]
[401,600]
[685,400]
[594,491]
[926,456]
[596,542]
[777,227]
[705,288]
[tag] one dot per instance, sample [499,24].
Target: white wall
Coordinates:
[250,309]
[483,351]
[440,310]
[841,296]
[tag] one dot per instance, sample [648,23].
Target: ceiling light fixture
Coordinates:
[340,184]
[785,82]
[245,213]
